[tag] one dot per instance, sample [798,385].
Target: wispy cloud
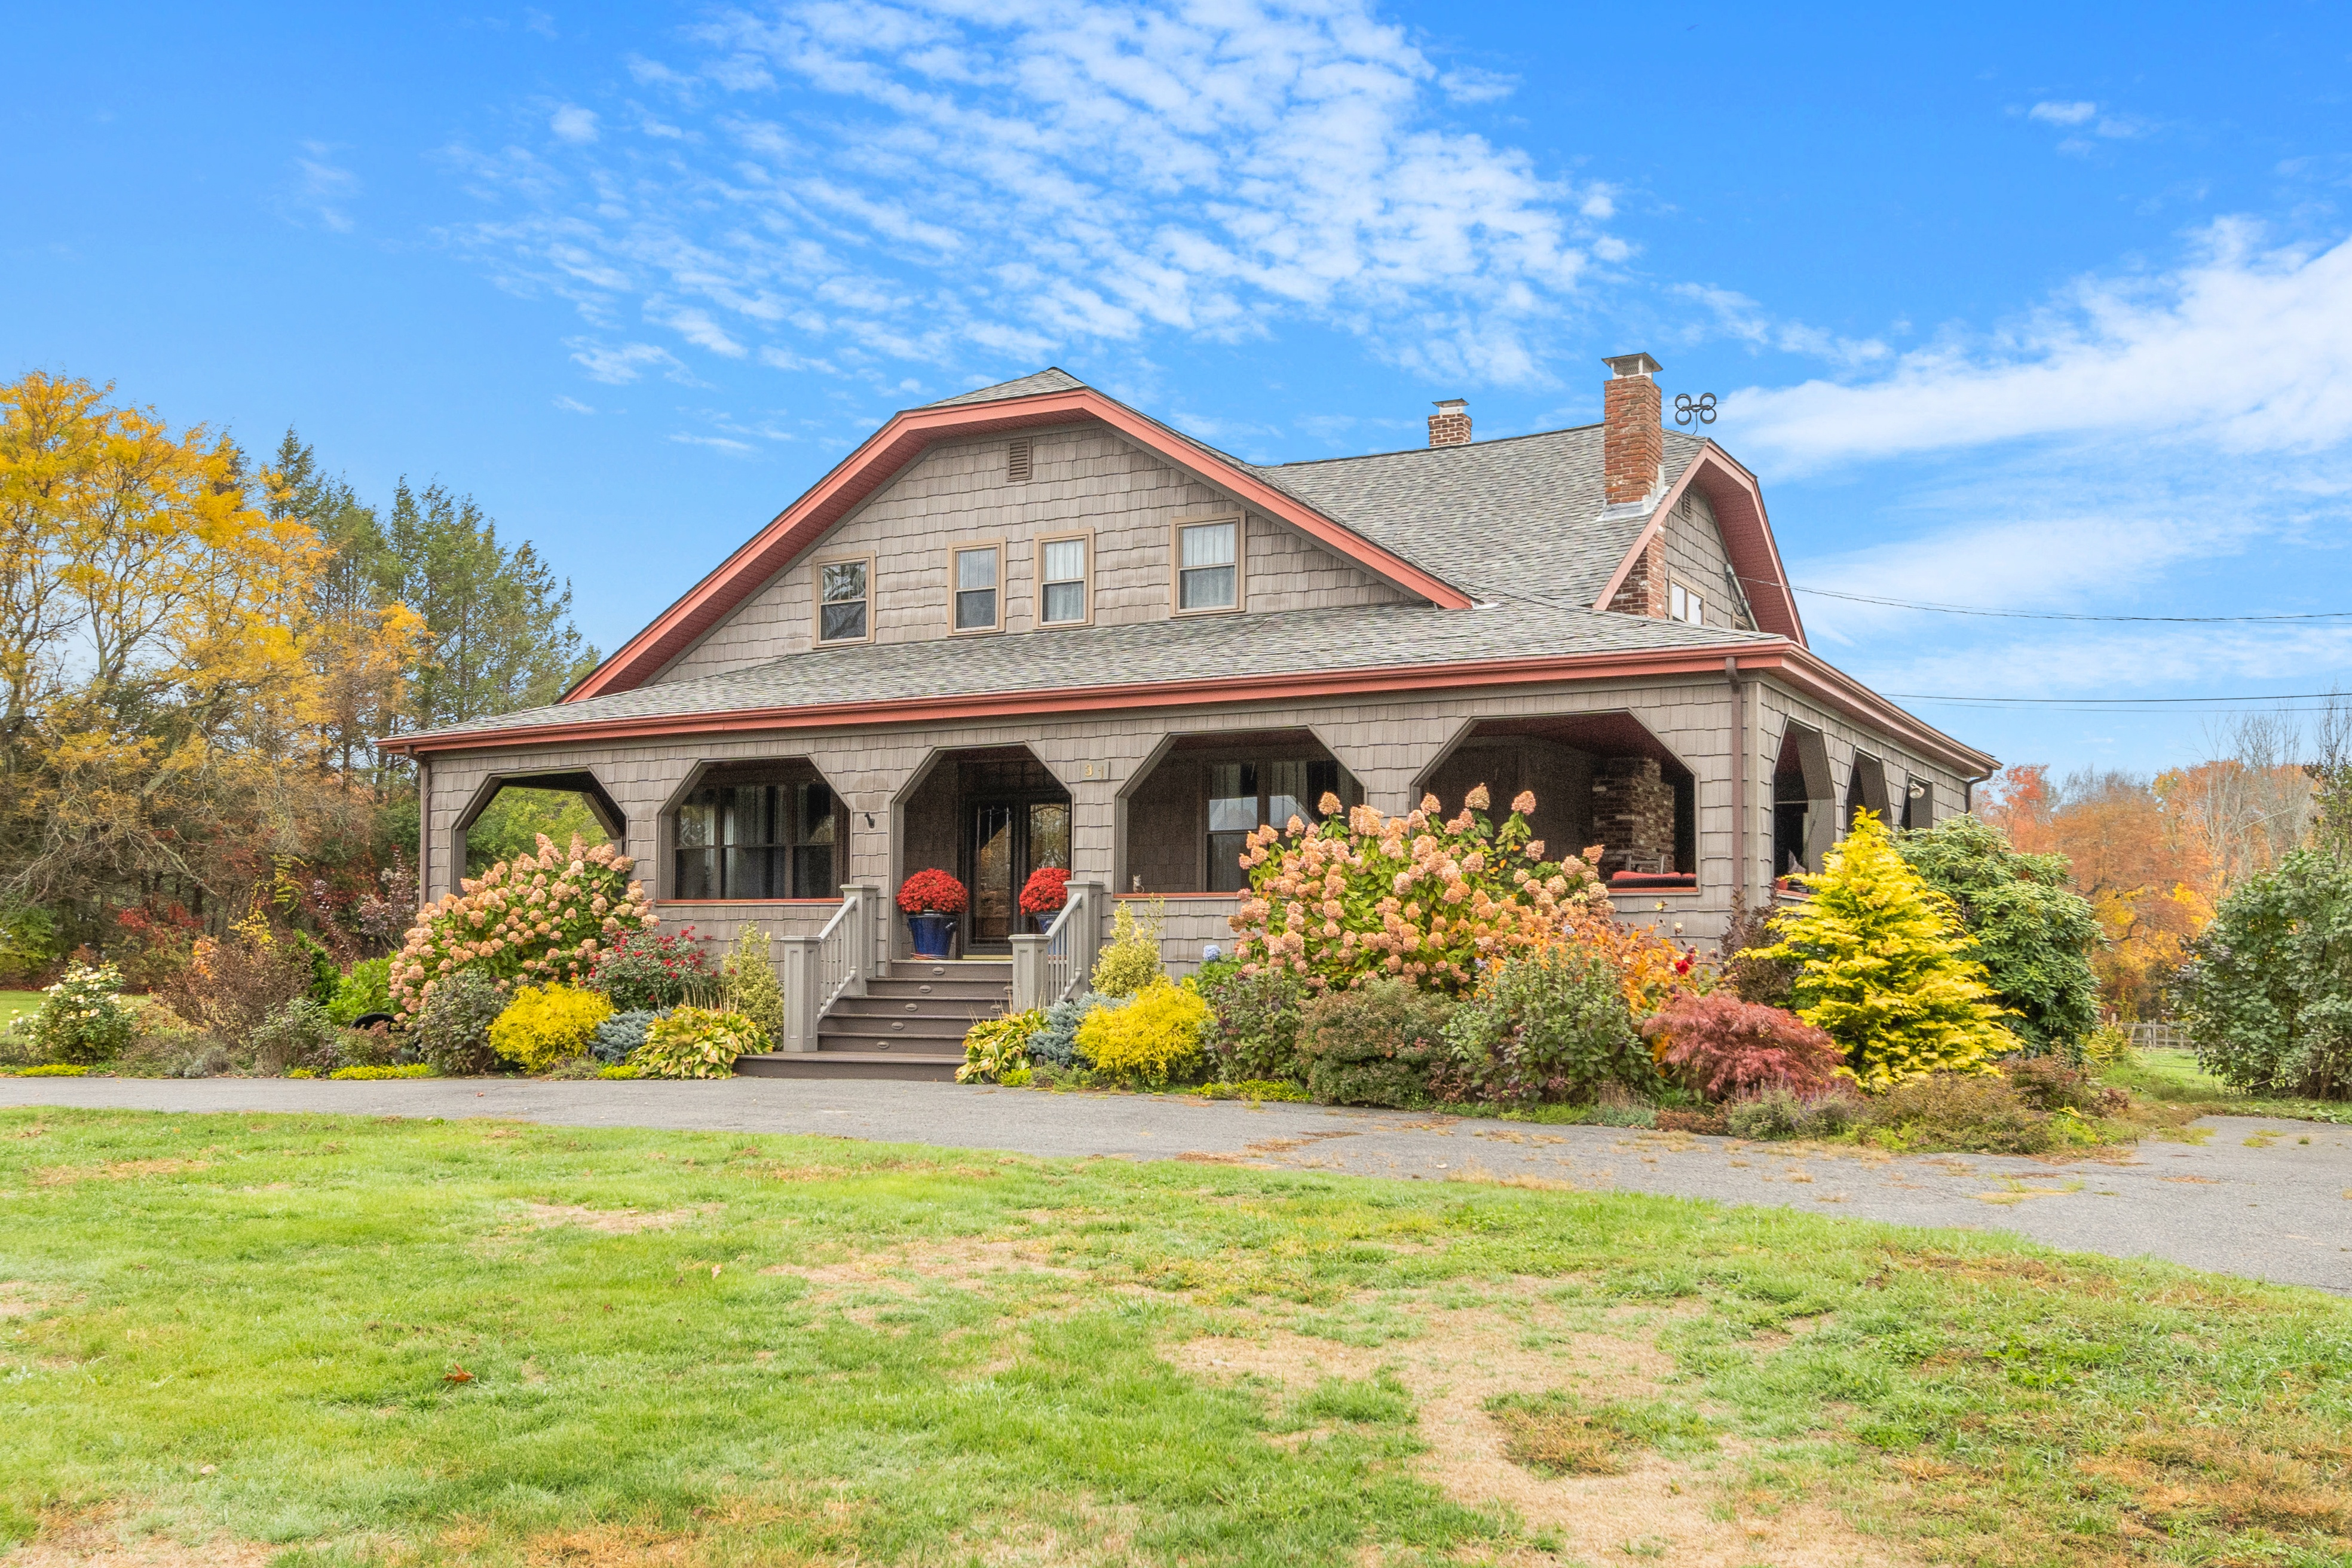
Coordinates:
[935,182]
[323,189]
[1742,319]
[2245,349]
[572,405]
[2052,113]
[618,366]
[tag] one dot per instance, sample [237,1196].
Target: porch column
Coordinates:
[797,971]
[1028,970]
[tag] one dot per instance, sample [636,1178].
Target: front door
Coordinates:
[1010,839]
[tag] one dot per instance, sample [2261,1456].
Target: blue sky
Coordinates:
[2040,310]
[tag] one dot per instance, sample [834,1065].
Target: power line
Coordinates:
[2054,614]
[2130,704]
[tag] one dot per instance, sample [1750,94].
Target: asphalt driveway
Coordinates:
[2267,1199]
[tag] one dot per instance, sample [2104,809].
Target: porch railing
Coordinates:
[817,971]
[1051,967]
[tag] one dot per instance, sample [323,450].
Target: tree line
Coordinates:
[197,652]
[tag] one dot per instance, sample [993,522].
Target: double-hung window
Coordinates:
[755,841]
[1062,582]
[1208,569]
[978,569]
[843,607]
[1685,604]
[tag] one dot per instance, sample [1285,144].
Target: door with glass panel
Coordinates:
[1010,839]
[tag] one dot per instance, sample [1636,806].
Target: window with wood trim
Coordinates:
[756,840]
[1208,566]
[1244,796]
[979,572]
[1685,604]
[1063,594]
[844,600]
[1016,460]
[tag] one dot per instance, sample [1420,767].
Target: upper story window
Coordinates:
[755,841]
[1208,571]
[1686,604]
[843,611]
[1062,581]
[978,569]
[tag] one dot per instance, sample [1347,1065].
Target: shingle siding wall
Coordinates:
[1084,479]
[1695,554]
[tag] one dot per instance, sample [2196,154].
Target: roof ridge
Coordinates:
[1413,451]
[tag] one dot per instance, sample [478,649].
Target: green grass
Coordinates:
[16,1004]
[2174,1078]
[254,1326]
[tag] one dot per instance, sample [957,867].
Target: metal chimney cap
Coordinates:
[1625,366]
[1451,405]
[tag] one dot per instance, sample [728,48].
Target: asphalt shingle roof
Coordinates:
[1284,642]
[1053,378]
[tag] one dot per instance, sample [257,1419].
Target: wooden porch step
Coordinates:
[919,1065]
[877,1010]
[890,1034]
[987,969]
[957,990]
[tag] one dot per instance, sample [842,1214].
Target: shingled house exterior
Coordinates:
[1031,626]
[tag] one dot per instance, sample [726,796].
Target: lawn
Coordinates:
[328,1341]
[16,1004]
[2174,1078]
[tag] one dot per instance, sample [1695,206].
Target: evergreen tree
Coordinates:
[1883,967]
[2034,933]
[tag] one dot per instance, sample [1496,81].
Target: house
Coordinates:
[1031,626]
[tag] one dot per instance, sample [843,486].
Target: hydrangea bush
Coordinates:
[536,919]
[83,1018]
[1419,897]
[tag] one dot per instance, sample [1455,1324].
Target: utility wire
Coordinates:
[2054,614]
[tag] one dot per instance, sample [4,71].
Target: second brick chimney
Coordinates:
[1634,441]
[1450,425]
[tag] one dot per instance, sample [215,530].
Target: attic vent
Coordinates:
[1016,461]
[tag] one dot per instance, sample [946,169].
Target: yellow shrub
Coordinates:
[1130,960]
[1149,1036]
[546,1024]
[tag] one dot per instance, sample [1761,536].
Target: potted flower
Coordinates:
[1044,893]
[931,899]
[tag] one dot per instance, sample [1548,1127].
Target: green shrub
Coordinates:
[749,986]
[29,942]
[2267,992]
[454,1034]
[546,1024]
[366,989]
[697,1042]
[1256,1089]
[19,1048]
[1374,1044]
[326,975]
[1886,969]
[1977,1113]
[617,1037]
[1551,1025]
[413,1070]
[1150,1037]
[1054,1042]
[654,971]
[1130,960]
[1252,1032]
[994,1046]
[2045,1083]
[2034,933]
[620,1069]
[83,1018]
[299,1037]
[51,1070]
[1779,1111]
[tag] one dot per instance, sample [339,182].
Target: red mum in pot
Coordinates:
[932,891]
[1045,891]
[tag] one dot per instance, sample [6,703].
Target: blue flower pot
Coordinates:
[933,933]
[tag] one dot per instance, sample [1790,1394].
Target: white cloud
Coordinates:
[619,366]
[572,405]
[715,443]
[2051,113]
[572,123]
[931,182]
[324,188]
[1742,319]
[2242,349]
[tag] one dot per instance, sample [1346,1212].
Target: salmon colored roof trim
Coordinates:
[1793,664]
[1738,503]
[880,457]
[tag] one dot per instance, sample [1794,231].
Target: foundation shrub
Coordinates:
[747,985]
[1254,1017]
[83,1019]
[652,970]
[367,988]
[1778,1112]
[1720,1048]
[1420,897]
[1150,1038]
[545,1024]
[454,1032]
[1552,1023]
[1746,972]
[696,1042]
[534,919]
[617,1037]
[298,1037]
[1130,960]
[1374,1044]
[1978,1113]
[1055,1041]
[995,1047]
[1884,968]
[2046,1083]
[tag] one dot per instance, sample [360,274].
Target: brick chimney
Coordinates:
[1450,425]
[1633,440]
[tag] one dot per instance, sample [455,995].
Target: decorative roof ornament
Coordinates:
[1700,408]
